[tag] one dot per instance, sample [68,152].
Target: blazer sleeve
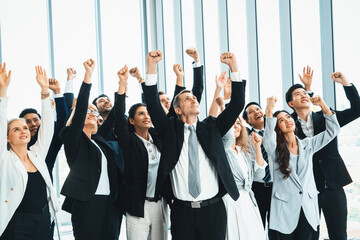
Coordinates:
[348,115]
[69,98]
[61,113]
[269,140]
[3,130]
[155,109]
[228,117]
[322,139]
[47,128]
[198,85]
[121,127]
[71,134]
[171,112]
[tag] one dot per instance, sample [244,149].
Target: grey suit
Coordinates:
[298,191]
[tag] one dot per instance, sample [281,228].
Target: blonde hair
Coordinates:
[243,141]
[8,129]
[69,121]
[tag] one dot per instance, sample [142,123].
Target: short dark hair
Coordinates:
[245,115]
[132,112]
[176,102]
[27,111]
[101,95]
[288,95]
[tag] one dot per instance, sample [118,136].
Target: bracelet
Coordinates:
[45,95]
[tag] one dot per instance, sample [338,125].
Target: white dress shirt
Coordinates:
[307,126]
[103,187]
[153,160]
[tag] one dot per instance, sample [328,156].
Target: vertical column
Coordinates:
[99,47]
[0,46]
[200,46]
[223,29]
[144,34]
[327,51]
[253,55]
[178,29]
[286,47]
[159,41]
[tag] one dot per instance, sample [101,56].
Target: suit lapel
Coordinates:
[180,133]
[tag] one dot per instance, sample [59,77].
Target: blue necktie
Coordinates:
[267,177]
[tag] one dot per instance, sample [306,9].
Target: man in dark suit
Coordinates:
[194,173]
[329,168]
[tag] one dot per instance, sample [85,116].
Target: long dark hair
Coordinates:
[283,153]
[132,112]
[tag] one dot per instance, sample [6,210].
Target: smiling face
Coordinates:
[255,116]
[285,122]
[141,119]
[300,99]
[165,101]
[188,105]
[18,133]
[237,128]
[104,105]
[33,122]
[91,117]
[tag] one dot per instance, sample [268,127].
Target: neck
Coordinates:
[21,152]
[144,133]
[87,131]
[303,113]
[291,139]
[105,115]
[259,126]
[189,119]
[234,146]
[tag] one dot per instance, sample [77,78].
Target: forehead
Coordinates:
[282,115]
[92,107]
[141,109]
[17,123]
[163,96]
[31,116]
[185,95]
[252,107]
[298,90]
[102,99]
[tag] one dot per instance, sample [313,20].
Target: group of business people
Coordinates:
[220,179]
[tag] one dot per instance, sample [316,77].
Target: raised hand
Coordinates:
[256,139]
[4,77]
[123,75]
[134,72]
[317,100]
[152,59]
[340,78]
[178,71]
[270,105]
[71,74]
[41,78]
[227,89]
[89,66]
[306,78]
[54,85]
[221,80]
[192,52]
[229,59]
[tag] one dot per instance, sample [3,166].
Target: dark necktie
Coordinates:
[267,177]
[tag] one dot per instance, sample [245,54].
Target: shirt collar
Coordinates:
[309,119]
[144,140]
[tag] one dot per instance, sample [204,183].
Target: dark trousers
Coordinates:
[334,206]
[263,198]
[303,231]
[205,223]
[26,226]
[115,221]
[90,219]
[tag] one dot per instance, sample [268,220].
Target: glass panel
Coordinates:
[24,45]
[238,36]
[121,45]
[269,51]
[347,60]
[306,40]
[75,40]
[212,50]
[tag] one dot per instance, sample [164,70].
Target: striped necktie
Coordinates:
[267,177]
[194,173]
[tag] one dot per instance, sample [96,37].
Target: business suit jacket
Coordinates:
[297,191]
[136,160]
[209,133]
[83,157]
[13,175]
[328,164]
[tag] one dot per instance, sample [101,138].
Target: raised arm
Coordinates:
[46,130]
[259,167]
[269,140]
[332,125]
[307,77]
[69,87]
[4,84]
[178,88]
[158,116]
[198,84]
[228,117]
[350,114]
[220,82]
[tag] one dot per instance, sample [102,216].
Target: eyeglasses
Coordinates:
[96,113]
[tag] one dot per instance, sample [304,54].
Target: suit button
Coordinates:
[300,192]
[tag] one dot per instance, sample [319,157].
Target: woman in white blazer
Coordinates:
[28,201]
[294,212]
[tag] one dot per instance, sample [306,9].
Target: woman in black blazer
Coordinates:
[92,181]
[145,217]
